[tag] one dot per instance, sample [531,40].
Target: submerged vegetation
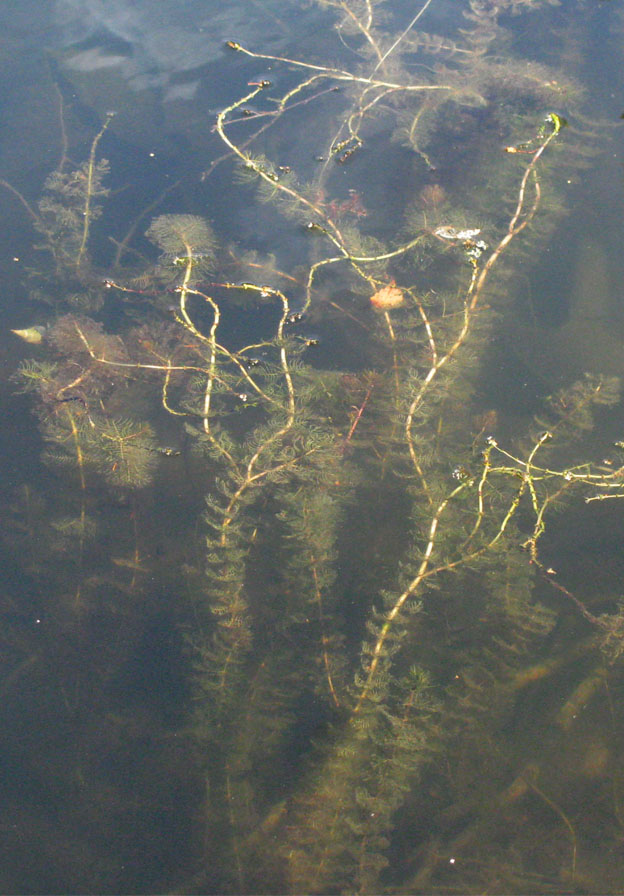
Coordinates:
[378,636]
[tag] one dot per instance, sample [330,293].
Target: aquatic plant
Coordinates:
[402,650]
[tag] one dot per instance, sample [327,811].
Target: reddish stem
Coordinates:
[356,419]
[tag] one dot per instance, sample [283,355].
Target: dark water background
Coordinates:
[99,788]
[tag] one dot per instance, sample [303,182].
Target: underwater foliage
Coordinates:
[370,600]
[182,235]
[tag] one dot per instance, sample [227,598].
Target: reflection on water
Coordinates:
[304,591]
[157,45]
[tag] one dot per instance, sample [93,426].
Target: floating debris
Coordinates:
[388,297]
[446,232]
[33,335]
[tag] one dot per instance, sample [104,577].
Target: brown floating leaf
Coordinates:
[387,297]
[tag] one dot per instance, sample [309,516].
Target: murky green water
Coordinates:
[312,447]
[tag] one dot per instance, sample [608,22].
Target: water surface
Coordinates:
[298,596]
